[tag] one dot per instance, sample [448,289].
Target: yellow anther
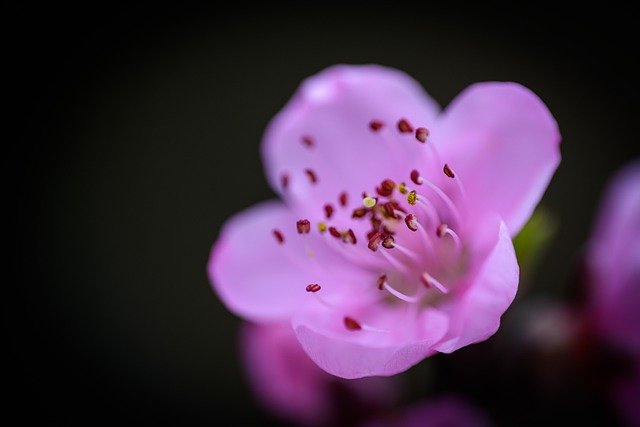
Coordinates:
[322,227]
[412,197]
[369,202]
[402,188]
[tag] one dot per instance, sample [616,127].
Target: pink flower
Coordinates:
[613,261]
[445,411]
[393,238]
[289,384]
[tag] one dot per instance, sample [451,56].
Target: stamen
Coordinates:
[351,324]
[428,280]
[388,241]
[303,226]
[278,235]
[404,126]
[328,210]
[452,207]
[359,213]
[416,178]
[399,294]
[284,181]
[307,141]
[349,237]
[443,229]
[376,125]
[406,251]
[376,223]
[313,178]
[322,227]
[412,197]
[390,208]
[381,280]
[448,171]
[402,188]
[343,198]
[369,202]
[386,188]
[422,134]
[375,240]
[314,287]
[335,233]
[412,222]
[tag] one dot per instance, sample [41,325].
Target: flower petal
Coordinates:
[475,315]
[257,277]
[361,353]
[333,109]
[503,143]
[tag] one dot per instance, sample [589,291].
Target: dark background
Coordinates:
[137,136]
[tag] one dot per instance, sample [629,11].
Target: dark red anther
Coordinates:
[387,230]
[386,188]
[343,198]
[303,226]
[359,213]
[390,209]
[376,223]
[448,171]
[388,241]
[314,287]
[307,141]
[334,232]
[313,178]
[351,324]
[375,125]
[371,233]
[441,230]
[411,221]
[381,281]
[404,126]
[278,235]
[375,240]
[415,177]
[284,181]
[422,134]
[328,210]
[348,236]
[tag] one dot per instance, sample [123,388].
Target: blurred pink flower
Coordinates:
[393,239]
[290,385]
[445,411]
[613,261]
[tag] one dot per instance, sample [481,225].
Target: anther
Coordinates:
[359,213]
[441,230]
[428,281]
[303,226]
[448,171]
[343,198]
[369,202]
[374,241]
[375,125]
[313,178]
[328,210]
[334,232]
[390,209]
[381,281]
[284,181]
[349,237]
[314,287]
[416,178]
[412,197]
[307,141]
[322,227]
[388,241]
[376,223]
[411,221]
[351,324]
[404,126]
[278,235]
[422,134]
[402,188]
[386,188]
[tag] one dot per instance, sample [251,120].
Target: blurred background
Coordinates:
[137,135]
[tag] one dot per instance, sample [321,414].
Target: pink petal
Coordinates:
[359,353]
[614,261]
[260,279]
[503,143]
[334,109]
[475,315]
